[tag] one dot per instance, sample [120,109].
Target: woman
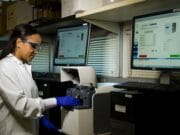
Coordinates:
[20,105]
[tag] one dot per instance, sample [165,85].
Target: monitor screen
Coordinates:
[72,43]
[156,41]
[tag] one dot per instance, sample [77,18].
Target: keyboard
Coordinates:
[143,86]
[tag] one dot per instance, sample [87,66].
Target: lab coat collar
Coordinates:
[14,58]
[27,66]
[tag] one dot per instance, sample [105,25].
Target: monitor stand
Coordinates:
[165,77]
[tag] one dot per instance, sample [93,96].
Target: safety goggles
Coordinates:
[35,46]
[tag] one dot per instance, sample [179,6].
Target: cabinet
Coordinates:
[124,10]
[136,112]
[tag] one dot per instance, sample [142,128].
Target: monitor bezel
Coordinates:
[132,46]
[87,45]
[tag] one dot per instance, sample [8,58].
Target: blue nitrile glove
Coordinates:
[67,101]
[47,124]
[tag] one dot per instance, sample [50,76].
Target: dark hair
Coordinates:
[20,31]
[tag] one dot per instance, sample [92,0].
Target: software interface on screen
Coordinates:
[156,42]
[72,45]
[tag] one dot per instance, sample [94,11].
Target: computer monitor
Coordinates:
[72,44]
[156,41]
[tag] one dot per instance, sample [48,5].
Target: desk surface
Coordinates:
[142,86]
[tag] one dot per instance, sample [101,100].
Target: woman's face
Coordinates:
[27,48]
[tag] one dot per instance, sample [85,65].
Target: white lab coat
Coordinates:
[19,102]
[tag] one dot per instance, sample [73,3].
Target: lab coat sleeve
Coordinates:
[15,99]
[49,103]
